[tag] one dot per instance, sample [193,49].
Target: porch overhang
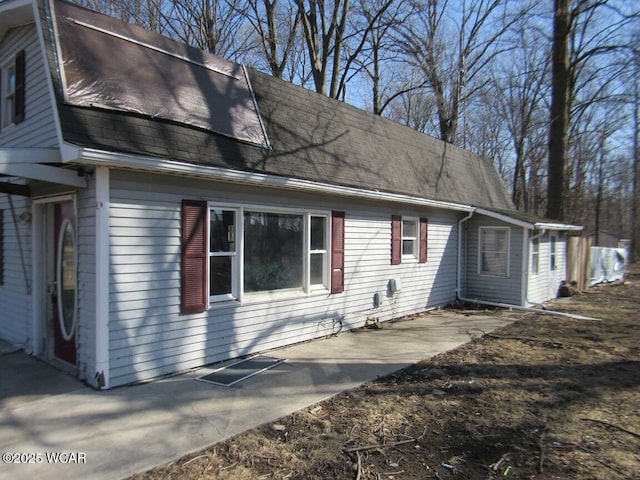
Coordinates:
[35,164]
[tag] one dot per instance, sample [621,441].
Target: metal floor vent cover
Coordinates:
[235,372]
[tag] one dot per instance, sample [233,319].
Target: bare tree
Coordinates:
[324,25]
[277,28]
[148,14]
[216,26]
[586,34]
[520,90]
[453,43]
[635,199]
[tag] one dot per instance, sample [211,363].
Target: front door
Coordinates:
[63,291]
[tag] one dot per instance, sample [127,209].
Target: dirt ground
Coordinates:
[546,397]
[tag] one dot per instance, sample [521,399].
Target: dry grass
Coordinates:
[546,397]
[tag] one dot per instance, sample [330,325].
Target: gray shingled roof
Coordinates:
[312,137]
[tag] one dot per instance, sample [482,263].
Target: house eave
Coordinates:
[36,164]
[558,226]
[530,225]
[15,13]
[96,157]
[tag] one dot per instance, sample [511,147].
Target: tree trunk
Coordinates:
[559,120]
[635,221]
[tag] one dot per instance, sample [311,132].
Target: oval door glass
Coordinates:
[67,280]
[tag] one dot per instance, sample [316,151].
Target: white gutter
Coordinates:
[154,165]
[558,226]
[532,226]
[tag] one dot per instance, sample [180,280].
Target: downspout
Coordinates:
[459,273]
[497,304]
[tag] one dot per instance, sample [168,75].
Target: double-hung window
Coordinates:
[494,251]
[13,89]
[223,254]
[318,251]
[410,237]
[535,256]
[552,252]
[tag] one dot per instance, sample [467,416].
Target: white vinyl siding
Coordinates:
[545,284]
[149,336]
[86,227]
[39,127]
[15,293]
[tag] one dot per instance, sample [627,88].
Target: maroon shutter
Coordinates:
[423,240]
[337,252]
[396,239]
[194,257]
[20,88]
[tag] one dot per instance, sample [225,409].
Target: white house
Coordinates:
[162,208]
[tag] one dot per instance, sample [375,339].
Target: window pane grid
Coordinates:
[494,251]
[409,237]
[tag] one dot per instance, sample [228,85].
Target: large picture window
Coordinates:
[494,251]
[273,251]
[236,252]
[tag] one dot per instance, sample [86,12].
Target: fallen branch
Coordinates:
[359,475]
[613,468]
[537,340]
[541,448]
[379,445]
[617,427]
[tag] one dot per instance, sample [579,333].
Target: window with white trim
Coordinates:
[266,251]
[8,93]
[12,81]
[494,251]
[552,252]
[409,237]
[535,256]
[223,254]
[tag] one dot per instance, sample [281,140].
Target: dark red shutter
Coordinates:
[194,257]
[20,88]
[423,240]
[396,239]
[337,252]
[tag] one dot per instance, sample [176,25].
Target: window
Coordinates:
[408,239]
[318,255]
[494,251]
[223,272]
[13,90]
[273,251]
[251,251]
[535,256]
[552,253]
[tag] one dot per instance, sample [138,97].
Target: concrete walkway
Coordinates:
[116,433]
